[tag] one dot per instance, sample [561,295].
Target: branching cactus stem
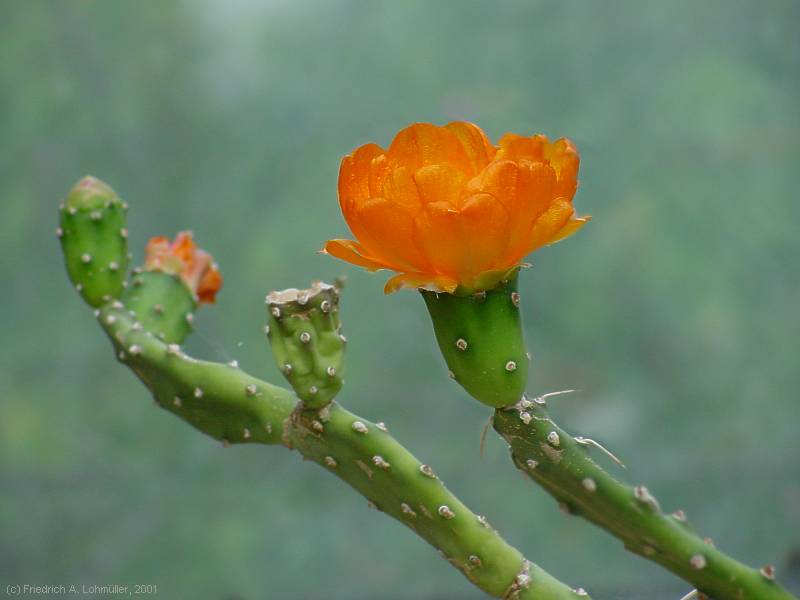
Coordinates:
[560,463]
[233,407]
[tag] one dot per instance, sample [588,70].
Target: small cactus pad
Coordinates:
[480,336]
[304,332]
[162,303]
[94,240]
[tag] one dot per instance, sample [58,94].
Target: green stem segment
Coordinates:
[163,304]
[561,465]
[306,339]
[234,407]
[480,336]
[94,240]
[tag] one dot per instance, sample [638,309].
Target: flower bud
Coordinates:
[176,278]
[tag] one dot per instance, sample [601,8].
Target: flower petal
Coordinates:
[209,285]
[535,193]
[477,146]
[352,252]
[427,281]
[484,230]
[440,183]
[518,148]
[437,231]
[549,224]
[397,185]
[565,160]
[354,177]
[424,144]
[572,226]
[387,232]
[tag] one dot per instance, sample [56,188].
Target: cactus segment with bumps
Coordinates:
[162,303]
[94,240]
[306,339]
[560,464]
[480,337]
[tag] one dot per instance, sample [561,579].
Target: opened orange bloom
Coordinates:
[445,208]
[183,258]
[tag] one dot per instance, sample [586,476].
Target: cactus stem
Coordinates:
[632,514]
[228,415]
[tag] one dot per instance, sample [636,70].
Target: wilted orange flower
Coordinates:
[182,257]
[445,208]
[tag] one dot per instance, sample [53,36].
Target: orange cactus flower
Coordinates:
[182,257]
[445,208]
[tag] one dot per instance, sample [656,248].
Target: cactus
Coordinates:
[560,464]
[308,346]
[94,240]
[224,402]
[146,323]
[480,336]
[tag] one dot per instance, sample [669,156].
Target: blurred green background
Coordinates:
[674,313]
